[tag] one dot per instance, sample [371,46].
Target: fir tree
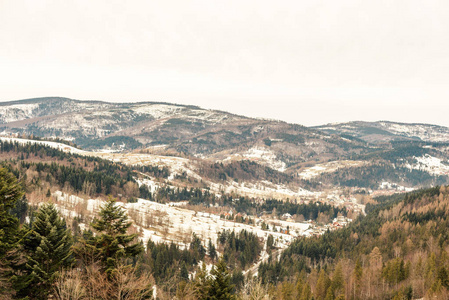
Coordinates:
[212,250]
[112,243]
[338,283]
[10,193]
[48,250]
[322,285]
[220,282]
[197,248]
[201,283]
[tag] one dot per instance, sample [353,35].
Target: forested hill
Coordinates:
[399,250]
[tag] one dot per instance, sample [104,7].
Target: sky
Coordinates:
[306,62]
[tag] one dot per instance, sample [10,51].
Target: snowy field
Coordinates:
[329,167]
[165,223]
[433,165]
[261,155]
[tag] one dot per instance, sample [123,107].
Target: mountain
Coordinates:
[189,177]
[368,155]
[171,127]
[384,132]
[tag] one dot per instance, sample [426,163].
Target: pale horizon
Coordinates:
[303,62]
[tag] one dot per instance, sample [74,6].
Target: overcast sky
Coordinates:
[307,62]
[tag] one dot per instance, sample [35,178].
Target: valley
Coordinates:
[207,184]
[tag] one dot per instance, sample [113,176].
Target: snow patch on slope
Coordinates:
[425,132]
[329,167]
[158,111]
[261,155]
[430,164]
[17,112]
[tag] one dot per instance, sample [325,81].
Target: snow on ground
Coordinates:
[430,164]
[157,111]
[152,185]
[261,155]
[423,131]
[17,112]
[210,116]
[166,223]
[393,186]
[329,167]
[177,166]
[267,189]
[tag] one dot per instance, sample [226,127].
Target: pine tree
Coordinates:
[322,285]
[212,250]
[358,273]
[201,283]
[197,248]
[112,243]
[220,282]
[306,292]
[338,283]
[48,250]
[184,273]
[10,193]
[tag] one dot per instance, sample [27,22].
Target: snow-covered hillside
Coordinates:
[430,164]
[425,132]
[383,131]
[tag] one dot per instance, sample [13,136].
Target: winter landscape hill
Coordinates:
[389,155]
[320,212]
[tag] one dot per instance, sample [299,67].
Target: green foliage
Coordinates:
[402,242]
[47,248]
[20,209]
[395,271]
[10,194]
[197,248]
[167,261]
[220,283]
[270,242]
[113,142]
[216,285]
[112,244]
[211,250]
[239,249]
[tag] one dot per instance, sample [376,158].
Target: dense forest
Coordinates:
[399,250]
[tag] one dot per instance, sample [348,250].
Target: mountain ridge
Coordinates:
[393,154]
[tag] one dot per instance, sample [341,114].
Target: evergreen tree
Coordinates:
[201,283]
[111,244]
[338,283]
[322,285]
[184,274]
[212,250]
[197,248]
[306,292]
[358,273]
[220,282]
[10,193]
[47,248]
[20,209]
